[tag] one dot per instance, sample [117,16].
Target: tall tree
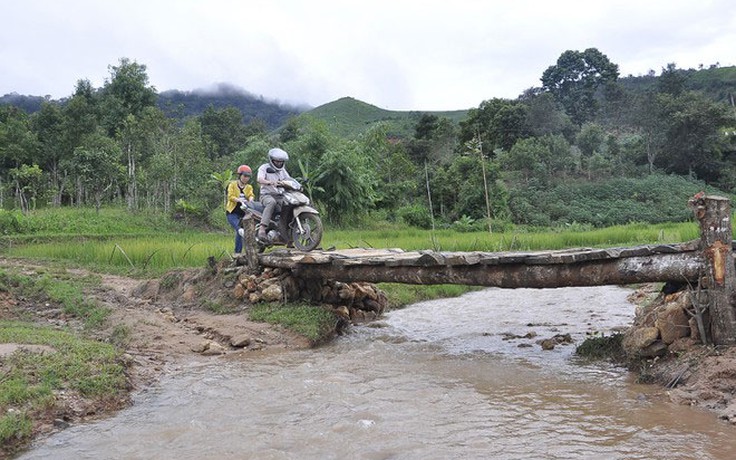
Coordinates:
[499,122]
[692,134]
[49,123]
[576,77]
[224,131]
[671,81]
[127,92]
[95,165]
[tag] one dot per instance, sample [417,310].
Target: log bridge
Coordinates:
[707,263]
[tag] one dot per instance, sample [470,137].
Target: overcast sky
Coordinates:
[396,54]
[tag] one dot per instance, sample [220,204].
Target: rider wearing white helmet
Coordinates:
[269,174]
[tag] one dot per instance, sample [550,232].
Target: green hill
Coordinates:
[348,117]
[718,83]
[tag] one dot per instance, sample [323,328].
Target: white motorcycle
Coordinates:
[304,229]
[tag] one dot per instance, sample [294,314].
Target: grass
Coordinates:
[602,347]
[313,322]
[401,295]
[450,240]
[135,255]
[148,254]
[153,254]
[67,293]
[30,382]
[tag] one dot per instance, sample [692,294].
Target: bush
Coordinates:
[191,213]
[465,224]
[415,215]
[652,199]
[9,223]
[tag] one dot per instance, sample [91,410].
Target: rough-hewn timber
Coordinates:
[546,269]
[714,217]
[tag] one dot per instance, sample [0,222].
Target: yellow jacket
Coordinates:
[233,193]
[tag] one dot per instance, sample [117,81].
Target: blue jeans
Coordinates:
[234,221]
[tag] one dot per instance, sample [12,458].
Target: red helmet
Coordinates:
[244,169]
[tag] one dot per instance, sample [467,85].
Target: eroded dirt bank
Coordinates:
[194,318]
[665,347]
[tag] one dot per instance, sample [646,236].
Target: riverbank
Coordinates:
[664,347]
[142,326]
[75,344]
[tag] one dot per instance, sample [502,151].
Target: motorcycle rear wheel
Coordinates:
[311,236]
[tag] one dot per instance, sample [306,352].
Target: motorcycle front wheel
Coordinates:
[311,234]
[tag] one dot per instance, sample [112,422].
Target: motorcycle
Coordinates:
[304,229]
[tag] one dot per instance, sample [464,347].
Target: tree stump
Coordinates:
[249,257]
[714,216]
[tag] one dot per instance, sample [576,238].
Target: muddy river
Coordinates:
[443,379]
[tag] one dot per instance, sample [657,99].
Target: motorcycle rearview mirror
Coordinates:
[270,170]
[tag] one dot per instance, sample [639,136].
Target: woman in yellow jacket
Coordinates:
[238,191]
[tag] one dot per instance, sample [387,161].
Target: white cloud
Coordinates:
[420,55]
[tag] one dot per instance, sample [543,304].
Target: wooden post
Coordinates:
[250,247]
[714,216]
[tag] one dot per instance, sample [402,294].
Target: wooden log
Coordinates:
[653,268]
[714,216]
[249,257]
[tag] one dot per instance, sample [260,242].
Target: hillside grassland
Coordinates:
[348,117]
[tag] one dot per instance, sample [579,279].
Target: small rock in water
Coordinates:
[548,344]
[241,341]
[61,424]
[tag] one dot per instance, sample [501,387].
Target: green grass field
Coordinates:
[149,244]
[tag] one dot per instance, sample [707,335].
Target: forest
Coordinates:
[586,148]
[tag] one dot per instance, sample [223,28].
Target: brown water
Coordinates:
[438,381]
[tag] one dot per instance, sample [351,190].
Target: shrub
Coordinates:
[653,199]
[191,213]
[415,215]
[465,224]
[9,223]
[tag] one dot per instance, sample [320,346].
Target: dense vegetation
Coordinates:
[586,148]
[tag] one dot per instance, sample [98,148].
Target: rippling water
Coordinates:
[440,380]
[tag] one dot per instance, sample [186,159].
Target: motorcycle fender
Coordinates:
[302,209]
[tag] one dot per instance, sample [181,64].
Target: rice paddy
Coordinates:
[156,252]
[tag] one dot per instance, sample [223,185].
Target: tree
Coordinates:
[126,93]
[576,77]
[96,167]
[48,123]
[545,115]
[498,122]
[27,181]
[590,139]
[348,183]
[18,143]
[458,190]
[671,81]
[391,164]
[223,130]
[692,134]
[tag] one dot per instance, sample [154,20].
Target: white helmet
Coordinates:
[277,158]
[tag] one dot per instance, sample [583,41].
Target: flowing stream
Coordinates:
[437,380]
